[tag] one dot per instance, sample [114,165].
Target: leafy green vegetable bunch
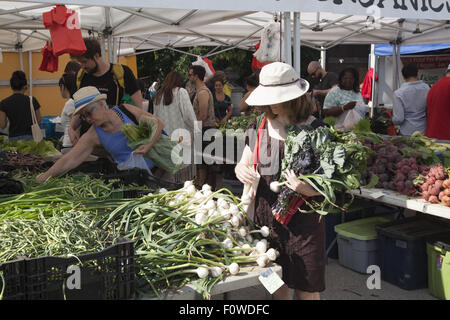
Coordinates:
[165,153]
[328,163]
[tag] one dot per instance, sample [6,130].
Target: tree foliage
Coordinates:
[156,65]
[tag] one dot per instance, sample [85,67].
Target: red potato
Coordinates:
[425,195]
[441,195]
[433,199]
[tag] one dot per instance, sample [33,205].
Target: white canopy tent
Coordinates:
[155,24]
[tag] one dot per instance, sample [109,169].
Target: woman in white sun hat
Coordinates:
[105,131]
[301,242]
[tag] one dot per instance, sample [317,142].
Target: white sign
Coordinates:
[270,280]
[409,9]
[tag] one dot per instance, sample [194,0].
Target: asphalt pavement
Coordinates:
[341,284]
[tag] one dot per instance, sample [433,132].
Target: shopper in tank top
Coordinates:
[105,131]
[204,110]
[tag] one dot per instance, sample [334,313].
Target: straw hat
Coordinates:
[85,96]
[278,82]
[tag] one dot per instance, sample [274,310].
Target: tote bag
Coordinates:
[35,129]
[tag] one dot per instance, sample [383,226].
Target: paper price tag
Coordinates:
[377,194]
[270,280]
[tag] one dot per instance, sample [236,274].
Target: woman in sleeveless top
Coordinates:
[105,131]
[301,242]
[173,106]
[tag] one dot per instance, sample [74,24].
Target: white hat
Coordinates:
[278,82]
[85,96]
[448,68]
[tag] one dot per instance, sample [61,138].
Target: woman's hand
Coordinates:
[298,185]
[42,177]
[245,173]
[74,135]
[143,149]
[350,105]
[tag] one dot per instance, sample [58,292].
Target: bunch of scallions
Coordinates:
[189,236]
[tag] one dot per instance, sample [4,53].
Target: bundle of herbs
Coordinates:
[323,159]
[165,153]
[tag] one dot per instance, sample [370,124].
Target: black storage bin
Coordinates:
[13,277]
[403,255]
[105,275]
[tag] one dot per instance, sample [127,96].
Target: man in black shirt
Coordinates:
[113,80]
[325,82]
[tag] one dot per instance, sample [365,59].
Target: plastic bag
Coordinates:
[352,117]
[269,50]
[134,161]
[249,192]
[201,62]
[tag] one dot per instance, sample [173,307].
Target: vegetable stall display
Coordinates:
[180,236]
[234,125]
[43,148]
[186,235]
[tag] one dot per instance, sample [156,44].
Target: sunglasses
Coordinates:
[313,74]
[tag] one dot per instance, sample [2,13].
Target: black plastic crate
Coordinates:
[403,257]
[138,177]
[14,280]
[128,194]
[105,275]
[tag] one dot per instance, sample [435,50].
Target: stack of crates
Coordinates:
[438,252]
[403,251]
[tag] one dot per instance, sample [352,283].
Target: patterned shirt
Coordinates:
[338,97]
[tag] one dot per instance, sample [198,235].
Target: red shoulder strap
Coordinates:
[258,143]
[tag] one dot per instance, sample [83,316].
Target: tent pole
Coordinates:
[30,68]
[375,84]
[102,45]
[372,65]
[297,43]
[19,43]
[394,62]
[287,38]
[108,35]
[323,58]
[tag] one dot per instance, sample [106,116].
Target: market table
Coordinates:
[394,198]
[247,277]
